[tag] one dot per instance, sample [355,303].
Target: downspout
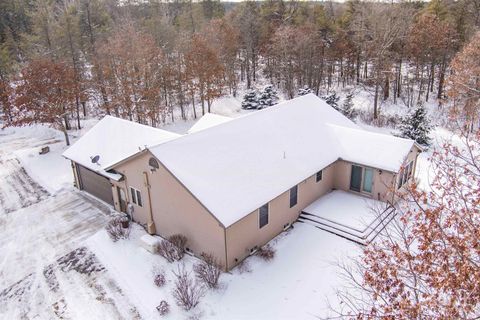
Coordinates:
[151,223]
[76,181]
[226,251]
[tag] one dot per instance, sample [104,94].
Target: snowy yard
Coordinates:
[299,283]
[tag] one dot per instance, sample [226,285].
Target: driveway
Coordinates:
[45,271]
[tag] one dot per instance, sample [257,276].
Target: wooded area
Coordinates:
[145,60]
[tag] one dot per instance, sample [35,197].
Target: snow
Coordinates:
[372,149]
[296,284]
[114,140]
[149,242]
[345,208]
[237,167]
[42,219]
[207,121]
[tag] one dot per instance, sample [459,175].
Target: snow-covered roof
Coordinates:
[207,121]
[372,149]
[236,167]
[114,139]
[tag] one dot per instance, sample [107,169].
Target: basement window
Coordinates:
[263,215]
[293,196]
[136,196]
[319,176]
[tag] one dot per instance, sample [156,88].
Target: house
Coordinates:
[232,187]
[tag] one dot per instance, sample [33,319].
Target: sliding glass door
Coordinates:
[361,179]
[356,178]
[367,180]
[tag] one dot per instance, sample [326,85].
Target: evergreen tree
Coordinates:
[250,100]
[303,91]
[347,107]
[332,100]
[268,97]
[417,126]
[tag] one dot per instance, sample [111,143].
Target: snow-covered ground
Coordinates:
[299,283]
[56,260]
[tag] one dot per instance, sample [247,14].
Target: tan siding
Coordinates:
[382,181]
[246,234]
[174,209]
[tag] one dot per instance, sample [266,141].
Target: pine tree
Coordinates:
[332,100]
[250,100]
[303,91]
[268,97]
[347,107]
[416,126]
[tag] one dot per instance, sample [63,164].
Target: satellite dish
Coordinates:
[153,163]
[95,159]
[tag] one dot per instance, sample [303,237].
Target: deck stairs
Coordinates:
[360,235]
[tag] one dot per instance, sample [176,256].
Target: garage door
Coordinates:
[95,184]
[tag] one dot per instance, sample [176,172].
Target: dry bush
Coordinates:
[244,267]
[172,249]
[266,252]
[116,231]
[179,241]
[208,271]
[187,291]
[163,308]
[159,278]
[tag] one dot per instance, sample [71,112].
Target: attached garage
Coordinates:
[95,184]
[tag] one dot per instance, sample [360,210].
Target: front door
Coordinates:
[356,178]
[122,200]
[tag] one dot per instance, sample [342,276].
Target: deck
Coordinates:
[354,217]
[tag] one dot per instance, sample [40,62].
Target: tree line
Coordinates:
[147,61]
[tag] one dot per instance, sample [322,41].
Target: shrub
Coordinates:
[172,249]
[266,252]
[163,308]
[244,267]
[179,241]
[187,292]
[116,231]
[159,277]
[208,271]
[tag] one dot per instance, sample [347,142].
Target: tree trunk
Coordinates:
[193,103]
[399,80]
[78,113]
[375,102]
[432,75]
[358,67]
[65,133]
[386,92]
[441,80]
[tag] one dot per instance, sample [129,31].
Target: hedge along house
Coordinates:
[232,187]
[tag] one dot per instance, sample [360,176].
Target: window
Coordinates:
[293,196]
[405,174]
[136,197]
[319,176]
[263,215]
